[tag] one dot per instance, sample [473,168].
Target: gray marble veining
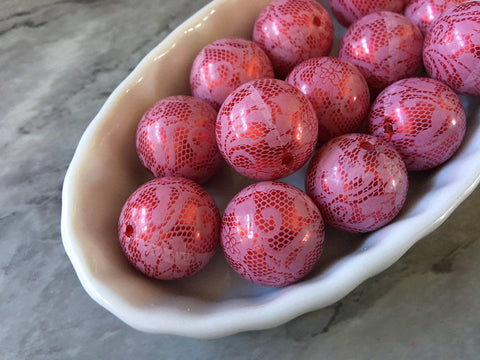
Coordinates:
[59,60]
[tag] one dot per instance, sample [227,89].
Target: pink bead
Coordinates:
[266,129]
[169,228]
[224,65]
[358,181]
[422,118]
[424,12]
[272,233]
[349,11]
[338,92]
[176,137]
[291,31]
[451,51]
[385,47]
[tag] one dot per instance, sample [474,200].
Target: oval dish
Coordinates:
[216,302]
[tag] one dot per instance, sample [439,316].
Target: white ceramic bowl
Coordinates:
[216,302]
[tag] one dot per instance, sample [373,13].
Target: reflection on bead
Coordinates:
[272,233]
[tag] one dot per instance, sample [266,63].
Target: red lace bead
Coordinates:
[422,118]
[451,52]
[176,137]
[424,12]
[224,65]
[338,92]
[291,31]
[169,228]
[349,11]
[266,129]
[385,47]
[358,181]
[272,233]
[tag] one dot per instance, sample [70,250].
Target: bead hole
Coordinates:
[129,230]
[388,128]
[317,21]
[366,145]
[287,159]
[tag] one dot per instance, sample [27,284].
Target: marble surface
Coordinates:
[59,60]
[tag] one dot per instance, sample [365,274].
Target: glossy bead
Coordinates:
[272,233]
[358,181]
[291,31]
[224,65]
[385,47]
[338,92]
[422,118]
[349,11]
[266,129]
[169,228]
[424,12]
[176,137]
[451,51]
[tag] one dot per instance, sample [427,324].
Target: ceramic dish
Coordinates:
[216,302]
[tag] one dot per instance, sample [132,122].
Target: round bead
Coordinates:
[385,47]
[224,65]
[422,118]
[291,31]
[266,129]
[349,11]
[424,12]
[176,137]
[451,51]
[338,92]
[169,228]
[272,233]
[358,181]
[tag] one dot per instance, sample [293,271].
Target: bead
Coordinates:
[169,228]
[176,137]
[385,47]
[266,129]
[272,233]
[358,181]
[338,92]
[424,12]
[451,51]
[422,118]
[349,11]
[224,65]
[291,31]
